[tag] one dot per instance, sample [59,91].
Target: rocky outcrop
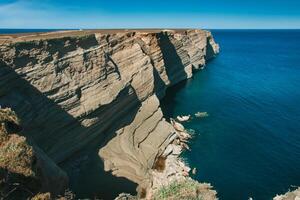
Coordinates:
[72,88]
[290,195]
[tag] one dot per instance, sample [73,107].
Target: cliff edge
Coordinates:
[74,87]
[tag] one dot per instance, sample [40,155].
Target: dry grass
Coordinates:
[20,178]
[16,156]
[160,164]
[42,196]
[7,117]
[6,114]
[17,159]
[142,193]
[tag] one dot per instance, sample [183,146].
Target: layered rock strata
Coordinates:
[72,88]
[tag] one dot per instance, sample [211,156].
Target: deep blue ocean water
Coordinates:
[249,146]
[12,31]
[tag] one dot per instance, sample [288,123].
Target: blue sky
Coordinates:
[152,13]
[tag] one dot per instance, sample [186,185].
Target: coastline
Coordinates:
[48,66]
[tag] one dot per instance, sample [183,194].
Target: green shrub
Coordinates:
[187,189]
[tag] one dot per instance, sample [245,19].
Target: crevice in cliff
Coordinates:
[210,52]
[159,84]
[173,63]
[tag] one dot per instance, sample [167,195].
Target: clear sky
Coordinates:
[152,13]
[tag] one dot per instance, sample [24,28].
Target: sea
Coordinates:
[249,145]
[15,31]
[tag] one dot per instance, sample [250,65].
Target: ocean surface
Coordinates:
[249,146]
[13,31]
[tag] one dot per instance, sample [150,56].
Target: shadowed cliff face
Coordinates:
[175,69]
[25,170]
[71,92]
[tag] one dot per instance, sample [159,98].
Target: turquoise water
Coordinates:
[249,146]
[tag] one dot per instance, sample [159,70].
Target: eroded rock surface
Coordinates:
[73,88]
[290,195]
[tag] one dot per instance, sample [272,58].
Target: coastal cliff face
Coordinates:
[72,88]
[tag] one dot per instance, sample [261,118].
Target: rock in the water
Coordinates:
[201,114]
[125,196]
[183,118]
[178,127]
[194,171]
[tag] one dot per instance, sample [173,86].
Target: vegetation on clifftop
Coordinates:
[187,189]
[17,160]
[16,156]
[20,178]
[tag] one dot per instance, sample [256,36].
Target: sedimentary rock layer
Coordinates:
[72,88]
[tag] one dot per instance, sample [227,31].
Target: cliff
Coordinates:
[75,87]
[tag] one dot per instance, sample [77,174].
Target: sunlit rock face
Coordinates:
[72,88]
